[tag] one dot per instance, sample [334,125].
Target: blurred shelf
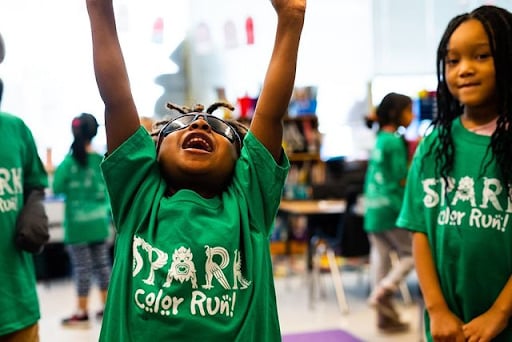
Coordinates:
[303,156]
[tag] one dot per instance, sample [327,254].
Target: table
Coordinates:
[311,208]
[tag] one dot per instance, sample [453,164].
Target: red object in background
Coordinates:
[246,105]
[249,30]
[158,31]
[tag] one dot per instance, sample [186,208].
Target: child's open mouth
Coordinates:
[198,142]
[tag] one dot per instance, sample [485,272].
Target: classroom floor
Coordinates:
[296,314]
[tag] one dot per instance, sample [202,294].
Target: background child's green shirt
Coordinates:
[86,214]
[384,190]
[20,168]
[189,268]
[469,228]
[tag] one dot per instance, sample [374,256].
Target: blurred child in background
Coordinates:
[87,217]
[383,194]
[24,180]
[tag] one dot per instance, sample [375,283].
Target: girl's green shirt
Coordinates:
[189,268]
[468,223]
[86,213]
[384,183]
[20,169]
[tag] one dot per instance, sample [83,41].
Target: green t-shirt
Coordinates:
[20,168]
[189,268]
[384,190]
[86,215]
[468,224]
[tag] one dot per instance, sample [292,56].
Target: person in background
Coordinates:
[194,214]
[86,216]
[23,176]
[383,194]
[458,195]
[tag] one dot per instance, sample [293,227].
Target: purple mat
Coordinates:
[321,336]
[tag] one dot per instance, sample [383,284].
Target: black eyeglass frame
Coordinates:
[217,125]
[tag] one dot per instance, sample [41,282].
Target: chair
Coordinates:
[349,241]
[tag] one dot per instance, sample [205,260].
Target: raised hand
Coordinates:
[293,8]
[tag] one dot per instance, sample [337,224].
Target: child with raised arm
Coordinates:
[458,198]
[193,215]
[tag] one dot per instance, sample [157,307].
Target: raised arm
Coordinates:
[121,117]
[280,77]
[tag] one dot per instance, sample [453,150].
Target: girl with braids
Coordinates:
[194,215]
[458,195]
[384,189]
[86,216]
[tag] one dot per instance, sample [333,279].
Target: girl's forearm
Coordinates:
[121,118]
[427,274]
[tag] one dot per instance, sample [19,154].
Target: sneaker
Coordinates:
[384,305]
[76,321]
[386,308]
[393,326]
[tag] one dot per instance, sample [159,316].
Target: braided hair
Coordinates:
[240,129]
[497,23]
[84,128]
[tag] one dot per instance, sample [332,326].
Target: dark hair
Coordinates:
[84,128]
[390,110]
[497,23]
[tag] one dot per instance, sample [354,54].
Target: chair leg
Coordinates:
[314,273]
[338,282]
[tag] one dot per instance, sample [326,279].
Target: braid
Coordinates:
[216,105]
[184,109]
[78,150]
[84,128]
[448,107]
[497,23]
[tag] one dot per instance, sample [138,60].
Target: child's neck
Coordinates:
[389,128]
[487,128]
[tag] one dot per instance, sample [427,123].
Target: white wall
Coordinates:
[48,74]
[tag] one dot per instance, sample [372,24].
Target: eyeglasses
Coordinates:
[217,125]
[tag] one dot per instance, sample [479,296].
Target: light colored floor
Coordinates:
[296,315]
